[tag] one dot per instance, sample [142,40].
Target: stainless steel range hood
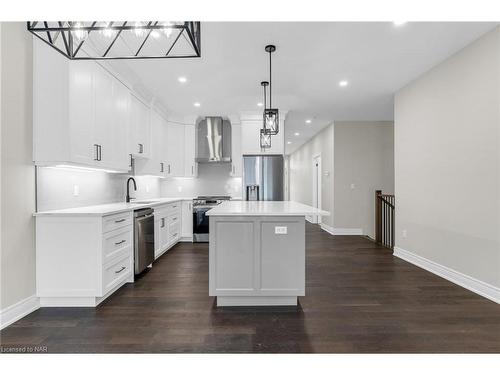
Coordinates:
[214,140]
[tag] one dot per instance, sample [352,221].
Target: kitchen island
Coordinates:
[257,252]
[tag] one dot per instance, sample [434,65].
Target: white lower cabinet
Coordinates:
[187,221]
[81,260]
[167,227]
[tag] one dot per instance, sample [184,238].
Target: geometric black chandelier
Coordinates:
[107,40]
[270,124]
[271,115]
[265,137]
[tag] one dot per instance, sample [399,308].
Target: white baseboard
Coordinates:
[342,231]
[18,310]
[477,286]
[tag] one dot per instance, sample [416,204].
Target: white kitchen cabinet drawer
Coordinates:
[171,207]
[174,232]
[116,221]
[174,218]
[117,243]
[116,272]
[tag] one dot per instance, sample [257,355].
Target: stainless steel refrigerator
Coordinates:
[263,178]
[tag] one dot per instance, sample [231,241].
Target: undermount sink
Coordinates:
[143,202]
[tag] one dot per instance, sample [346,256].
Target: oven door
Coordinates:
[200,223]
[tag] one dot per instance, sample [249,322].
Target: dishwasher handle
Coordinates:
[141,218]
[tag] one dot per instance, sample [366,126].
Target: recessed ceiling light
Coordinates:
[259,104]
[289,143]
[182,79]
[196,104]
[308,121]
[343,83]
[155,34]
[296,134]
[399,23]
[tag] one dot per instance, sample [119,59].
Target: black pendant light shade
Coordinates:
[271,115]
[103,40]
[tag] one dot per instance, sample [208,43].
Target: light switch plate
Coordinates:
[280,230]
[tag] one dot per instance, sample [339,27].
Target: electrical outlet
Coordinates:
[353,186]
[280,230]
[179,189]
[76,190]
[404,233]
[147,188]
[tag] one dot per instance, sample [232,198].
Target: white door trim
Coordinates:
[316,185]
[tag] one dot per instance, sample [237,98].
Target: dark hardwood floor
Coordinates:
[359,298]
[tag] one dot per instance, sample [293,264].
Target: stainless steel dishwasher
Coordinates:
[144,239]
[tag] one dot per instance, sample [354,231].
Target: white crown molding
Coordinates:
[474,285]
[13,313]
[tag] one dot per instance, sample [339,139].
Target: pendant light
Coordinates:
[271,115]
[106,40]
[265,138]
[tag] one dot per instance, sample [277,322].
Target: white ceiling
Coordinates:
[377,58]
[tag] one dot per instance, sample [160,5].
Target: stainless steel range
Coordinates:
[200,221]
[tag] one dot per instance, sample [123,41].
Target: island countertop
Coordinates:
[265,208]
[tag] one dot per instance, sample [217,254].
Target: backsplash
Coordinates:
[213,179]
[59,188]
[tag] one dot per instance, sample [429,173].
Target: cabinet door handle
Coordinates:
[96,152]
[131,161]
[120,242]
[233,168]
[169,169]
[141,148]
[161,167]
[192,170]
[120,221]
[121,269]
[100,152]
[162,222]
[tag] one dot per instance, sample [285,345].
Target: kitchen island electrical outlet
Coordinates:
[405,233]
[280,230]
[76,190]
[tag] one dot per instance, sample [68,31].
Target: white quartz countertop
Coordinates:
[109,209]
[265,208]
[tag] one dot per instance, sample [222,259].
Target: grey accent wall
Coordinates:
[364,162]
[17,171]
[301,172]
[447,162]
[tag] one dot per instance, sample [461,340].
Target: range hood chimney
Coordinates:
[214,141]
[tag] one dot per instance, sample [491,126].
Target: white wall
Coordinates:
[364,162]
[447,160]
[301,172]
[213,179]
[17,171]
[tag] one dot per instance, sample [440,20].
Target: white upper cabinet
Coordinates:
[190,165]
[236,156]
[250,136]
[175,150]
[74,113]
[120,124]
[140,129]
[156,164]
